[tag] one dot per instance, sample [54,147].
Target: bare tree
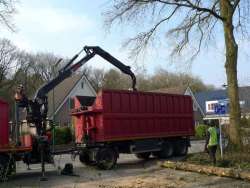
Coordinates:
[7,9]
[34,69]
[26,75]
[161,79]
[46,65]
[114,79]
[193,23]
[8,55]
[96,78]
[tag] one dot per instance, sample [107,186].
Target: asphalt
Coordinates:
[129,172]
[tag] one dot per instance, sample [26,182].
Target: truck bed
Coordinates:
[118,115]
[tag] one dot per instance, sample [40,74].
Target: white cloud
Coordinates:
[50,19]
[43,27]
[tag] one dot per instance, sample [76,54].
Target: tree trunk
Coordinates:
[209,170]
[231,71]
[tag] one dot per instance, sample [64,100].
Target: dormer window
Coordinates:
[210,106]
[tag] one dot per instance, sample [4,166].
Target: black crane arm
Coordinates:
[68,69]
[105,55]
[64,73]
[38,107]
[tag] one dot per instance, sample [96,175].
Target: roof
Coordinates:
[202,97]
[61,91]
[171,90]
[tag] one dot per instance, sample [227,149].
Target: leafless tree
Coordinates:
[33,70]
[160,80]
[46,65]
[7,10]
[25,73]
[8,56]
[193,23]
[96,78]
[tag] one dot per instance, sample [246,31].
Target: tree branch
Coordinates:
[143,38]
[189,4]
[236,3]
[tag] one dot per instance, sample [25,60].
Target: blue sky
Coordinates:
[64,26]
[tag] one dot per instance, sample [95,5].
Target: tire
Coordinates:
[84,158]
[167,150]
[106,158]
[144,156]
[181,148]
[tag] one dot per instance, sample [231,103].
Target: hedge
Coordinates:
[63,135]
[200,131]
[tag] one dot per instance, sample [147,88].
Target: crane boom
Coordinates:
[67,71]
[38,107]
[111,59]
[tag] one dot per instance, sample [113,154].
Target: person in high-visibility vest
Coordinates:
[212,142]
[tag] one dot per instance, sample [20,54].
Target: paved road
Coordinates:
[130,172]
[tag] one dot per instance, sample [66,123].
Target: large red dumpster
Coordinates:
[4,127]
[129,115]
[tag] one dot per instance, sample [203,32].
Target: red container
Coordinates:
[78,123]
[4,123]
[128,115]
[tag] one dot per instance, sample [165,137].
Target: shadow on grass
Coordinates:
[239,160]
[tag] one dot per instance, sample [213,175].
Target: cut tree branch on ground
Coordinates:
[209,170]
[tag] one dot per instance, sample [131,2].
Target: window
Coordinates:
[210,106]
[82,84]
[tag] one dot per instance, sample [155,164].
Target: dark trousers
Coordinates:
[212,153]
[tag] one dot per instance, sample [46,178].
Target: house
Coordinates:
[198,113]
[60,99]
[214,104]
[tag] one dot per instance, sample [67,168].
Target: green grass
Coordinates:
[239,160]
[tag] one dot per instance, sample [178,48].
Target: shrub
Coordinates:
[200,131]
[63,135]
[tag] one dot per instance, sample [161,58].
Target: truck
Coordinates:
[36,148]
[117,122]
[140,123]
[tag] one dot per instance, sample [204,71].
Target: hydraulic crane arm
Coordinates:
[67,70]
[105,55]
[64,73]
[38,107]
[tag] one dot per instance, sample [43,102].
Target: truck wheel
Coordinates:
[84,158]
[106,158]
[181,148]
[167,150]
[144,156]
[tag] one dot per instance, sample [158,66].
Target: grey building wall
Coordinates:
[82,88]
[63,117]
